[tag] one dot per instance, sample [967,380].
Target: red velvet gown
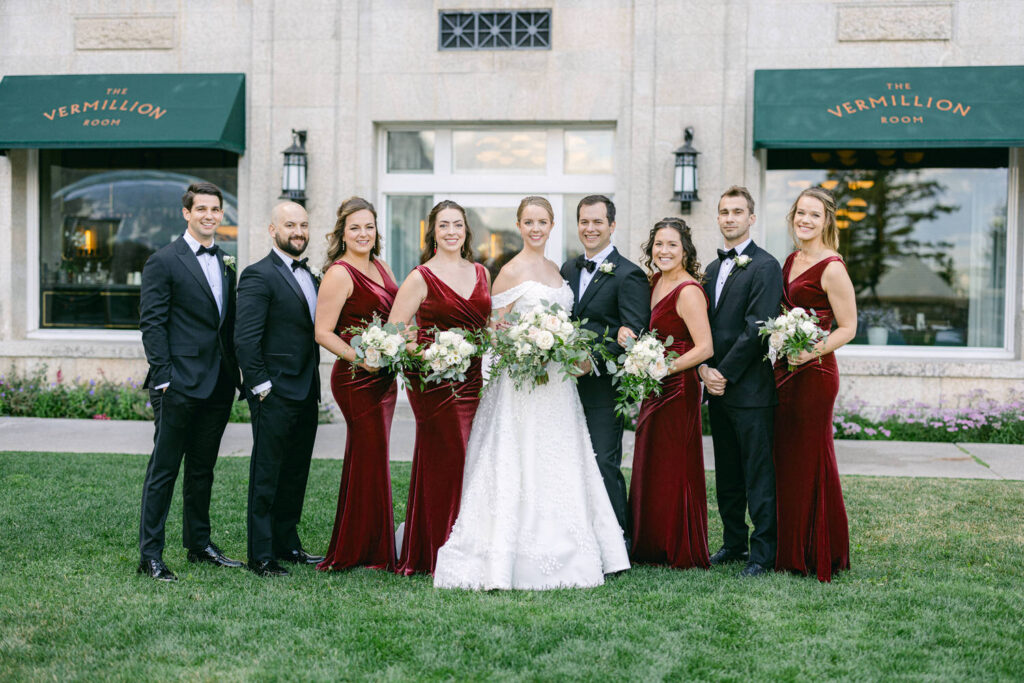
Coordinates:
[813,531]
[364,526]
[443,420]
[667,494]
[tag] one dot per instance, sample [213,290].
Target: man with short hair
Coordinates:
[280,362]
[610,292]
[187,318]
[745,287]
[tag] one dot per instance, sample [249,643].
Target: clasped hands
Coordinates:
[714,381]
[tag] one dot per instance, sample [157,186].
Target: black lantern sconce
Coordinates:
[685,181]
[293,175]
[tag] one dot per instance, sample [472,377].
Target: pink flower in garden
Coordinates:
[100,416]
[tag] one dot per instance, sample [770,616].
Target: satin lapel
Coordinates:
[283,271]
[224,288]
[735,273]
[574,280]
[191,262]
[599,279]
[710,278]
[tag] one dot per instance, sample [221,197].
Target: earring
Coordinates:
[435,246]
[343,247]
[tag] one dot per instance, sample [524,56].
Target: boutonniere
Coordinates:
[607,267]
[229,261]
[742,261]
[317,274]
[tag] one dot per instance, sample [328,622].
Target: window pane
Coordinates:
[925,248]
[411,151]
[589,151]
[407,224]
[496,238]
[496,151]
[103,213]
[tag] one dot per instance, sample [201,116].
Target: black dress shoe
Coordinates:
[753,569]
[724,555]
[212,554]
[299,556]
[266,568]
[155,569]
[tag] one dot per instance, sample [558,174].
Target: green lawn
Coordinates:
[935,593]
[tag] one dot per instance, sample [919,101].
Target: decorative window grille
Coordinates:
[515,30]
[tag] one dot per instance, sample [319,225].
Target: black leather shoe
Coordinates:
[212,554]
[299,556]
[724,555]
[266,568]
[155,569]
[753,569]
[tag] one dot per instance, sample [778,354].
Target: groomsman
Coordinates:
[187,319]
[744,286]
[280,367]
[611,292]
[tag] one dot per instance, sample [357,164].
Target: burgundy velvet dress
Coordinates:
[364,526]
[667,494]
[813,531]
[443,420]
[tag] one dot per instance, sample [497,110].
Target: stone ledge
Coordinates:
[125,33]
[894,22]
[953,368]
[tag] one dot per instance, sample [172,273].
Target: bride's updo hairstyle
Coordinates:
[336,240]
[830,233]
[430,235]
[690,263]
[534,200]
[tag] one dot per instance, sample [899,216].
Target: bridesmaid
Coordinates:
[356,285]
[667,492]
[813,530]
[448,290]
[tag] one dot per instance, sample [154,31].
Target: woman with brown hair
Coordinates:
[448,290]
[667,494]
[812,525]
[357,286]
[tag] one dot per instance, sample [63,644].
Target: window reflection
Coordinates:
[589,151]
[411,151]
[497,151]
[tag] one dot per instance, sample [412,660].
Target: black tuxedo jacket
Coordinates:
[274,337]
[750,295]
[188,341]
[622,297]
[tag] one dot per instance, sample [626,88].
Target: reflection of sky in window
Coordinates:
[589,151]
[500,151]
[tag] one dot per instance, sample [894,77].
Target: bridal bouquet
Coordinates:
[380,345]
[639,370]
[794,331]
[447,358]
[530,341]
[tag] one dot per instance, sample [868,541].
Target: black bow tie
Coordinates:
[582,262]
[300,263]
[722,254]
[212,251]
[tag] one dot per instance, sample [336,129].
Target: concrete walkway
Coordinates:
[879,458]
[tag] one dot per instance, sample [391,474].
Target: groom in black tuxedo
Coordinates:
[744,286]
[187,319]
[610,292]
[280,367]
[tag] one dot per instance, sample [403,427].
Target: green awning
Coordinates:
[967,106]
[123,110]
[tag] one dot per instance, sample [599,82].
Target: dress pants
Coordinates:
[605,429]
[283,432]
[191,428]
[745,477]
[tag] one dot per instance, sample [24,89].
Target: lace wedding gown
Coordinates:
[535,514]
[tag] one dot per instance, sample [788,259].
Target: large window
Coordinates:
[102,213]
[923,233]
[488,170]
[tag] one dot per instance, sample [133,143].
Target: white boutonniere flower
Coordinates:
[229,261]
[607,268]
[317,274]
[742,261]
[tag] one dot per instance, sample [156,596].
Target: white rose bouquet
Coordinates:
[447,358]
[639,370]
[527,343]
[794,331]
[381,345]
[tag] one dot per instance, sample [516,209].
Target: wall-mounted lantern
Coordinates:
[293,175]
[685,181]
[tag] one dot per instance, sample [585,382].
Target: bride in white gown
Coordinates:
[535,513]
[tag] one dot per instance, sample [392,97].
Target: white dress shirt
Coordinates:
[587,277]
[726,268]
[211,268]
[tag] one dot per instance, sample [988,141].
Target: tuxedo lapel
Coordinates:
[735,273]
[599,279]
[284,271]
[191,263]
[574,280]
[224,286]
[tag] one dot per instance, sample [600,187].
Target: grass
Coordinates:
[935,593]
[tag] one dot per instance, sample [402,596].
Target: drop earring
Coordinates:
[435,246]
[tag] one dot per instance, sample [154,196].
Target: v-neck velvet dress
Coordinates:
[813,531]
[364,526]
[667,493]
[444,414]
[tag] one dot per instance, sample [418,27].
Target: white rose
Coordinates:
[371,357]
[776,340]
[551,323]
[437,365]
[448,338]
[566,330]
[808,328]
[390,347]
[562,315]
[523,349]
[659,369]
[797,311]
[630,366]
[545,340]
[466,349]
[431,353]
[374,334]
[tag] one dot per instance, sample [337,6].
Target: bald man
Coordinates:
[280,369]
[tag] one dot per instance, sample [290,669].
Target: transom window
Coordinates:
[515,30]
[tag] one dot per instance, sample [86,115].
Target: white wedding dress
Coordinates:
[535,514]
